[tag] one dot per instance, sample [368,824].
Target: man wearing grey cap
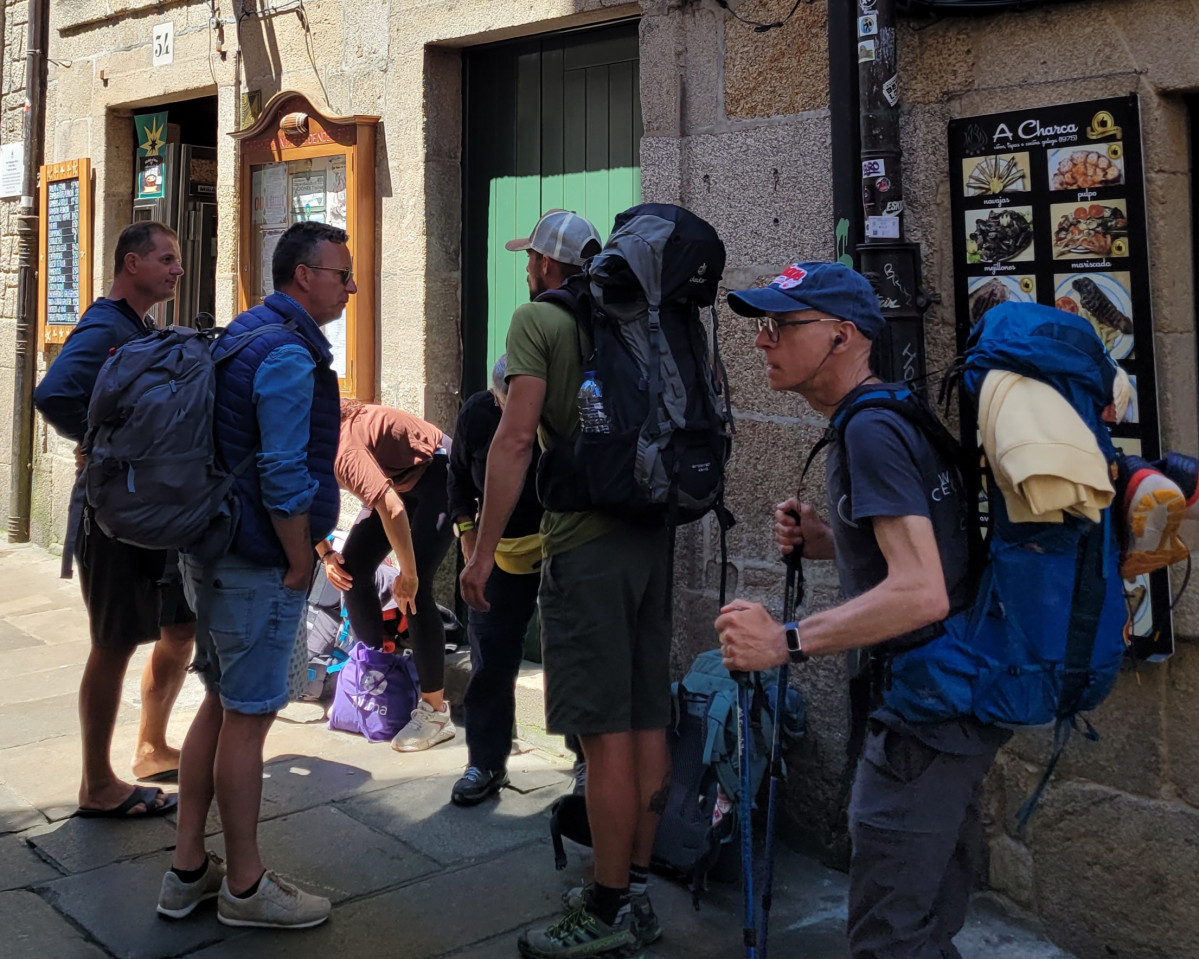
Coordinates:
[897,535]
[605,618]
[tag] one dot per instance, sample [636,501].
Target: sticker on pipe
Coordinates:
[891,90]
[873,168]
[882,227]
[866,51]
[867,26]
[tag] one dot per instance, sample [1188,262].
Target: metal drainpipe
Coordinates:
[845,123]
[21,459]
[890,263]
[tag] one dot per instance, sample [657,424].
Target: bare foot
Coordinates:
[153,762]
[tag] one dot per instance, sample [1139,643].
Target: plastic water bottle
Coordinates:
[592,415]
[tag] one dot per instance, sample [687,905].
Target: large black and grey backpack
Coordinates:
[152,478]
[662,458]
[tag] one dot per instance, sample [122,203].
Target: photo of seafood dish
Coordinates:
[1089,231]
[996,236]
[1001,173]
[1102,299]
[986,292]
[1081,169]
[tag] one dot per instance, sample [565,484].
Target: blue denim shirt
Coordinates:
[286,373]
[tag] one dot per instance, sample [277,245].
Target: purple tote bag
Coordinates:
[376,693]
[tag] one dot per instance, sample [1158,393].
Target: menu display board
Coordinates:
[64,263]
[1048,206]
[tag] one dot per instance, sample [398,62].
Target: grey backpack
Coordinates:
[152,477]
[666,437]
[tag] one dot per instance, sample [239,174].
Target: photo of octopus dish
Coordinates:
[1094,231]
[1080,169]
[1104,300]
[996,236]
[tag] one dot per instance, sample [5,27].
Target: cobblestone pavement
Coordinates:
[412,876]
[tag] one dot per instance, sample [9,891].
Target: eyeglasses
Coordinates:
[347,274]
[772,324]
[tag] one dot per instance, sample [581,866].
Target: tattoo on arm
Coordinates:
[657,802]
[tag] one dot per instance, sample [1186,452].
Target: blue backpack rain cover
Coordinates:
[1044,638]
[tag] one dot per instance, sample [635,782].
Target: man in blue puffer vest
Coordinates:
[277,401]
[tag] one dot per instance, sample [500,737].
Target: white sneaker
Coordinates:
[276,905]
[427,727]
[178,898]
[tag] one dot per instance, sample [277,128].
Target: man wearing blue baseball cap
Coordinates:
[896,530]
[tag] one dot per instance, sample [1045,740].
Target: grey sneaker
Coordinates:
[178,898]
[426,728]
[645,922]
[276,905]
[581,934]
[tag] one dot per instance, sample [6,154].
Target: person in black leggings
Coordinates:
[382,449]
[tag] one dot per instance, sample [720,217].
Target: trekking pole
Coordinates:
[749,929]
[793,595]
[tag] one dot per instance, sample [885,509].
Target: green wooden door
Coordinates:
[553,121]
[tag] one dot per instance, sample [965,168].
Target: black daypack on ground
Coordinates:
[639,299]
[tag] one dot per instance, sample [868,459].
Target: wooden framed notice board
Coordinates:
[298,163]
[64,248]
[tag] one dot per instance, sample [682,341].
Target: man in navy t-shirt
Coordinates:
[898,537]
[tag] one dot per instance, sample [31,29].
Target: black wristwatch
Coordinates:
[794,646]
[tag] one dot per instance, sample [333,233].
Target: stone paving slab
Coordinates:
[429,918]
[115,905]
[420,814]
[33,930]
[13,639]
[328,853]
[20,866]
[78,845]
[49,718]
[16,812]
[55,626]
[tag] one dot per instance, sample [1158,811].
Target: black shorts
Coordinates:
[127,590]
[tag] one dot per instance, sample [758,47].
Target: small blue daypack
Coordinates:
[700,819]
[1043,640]
[152,477]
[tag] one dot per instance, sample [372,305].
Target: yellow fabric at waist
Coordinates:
[519,555]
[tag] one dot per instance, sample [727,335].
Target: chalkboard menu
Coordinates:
[64,267]
[1048,206]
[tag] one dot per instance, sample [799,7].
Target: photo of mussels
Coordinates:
[1104,300]
[999,236]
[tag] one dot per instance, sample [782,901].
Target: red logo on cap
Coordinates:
[792,276]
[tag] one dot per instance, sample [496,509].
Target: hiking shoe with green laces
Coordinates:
[645,922]
[581,934]
[178,898]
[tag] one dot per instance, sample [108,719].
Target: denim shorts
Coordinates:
[253,624]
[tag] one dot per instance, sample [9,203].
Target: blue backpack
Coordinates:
[1043,640]
[700,820]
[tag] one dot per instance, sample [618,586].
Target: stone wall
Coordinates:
[736,128]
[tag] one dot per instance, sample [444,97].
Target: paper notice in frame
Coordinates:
[335,202]
[1048,206]
[308,196]
[274,194]
[270,240]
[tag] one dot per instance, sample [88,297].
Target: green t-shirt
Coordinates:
[543,341]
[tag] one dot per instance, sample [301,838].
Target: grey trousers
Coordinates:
[916,834]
